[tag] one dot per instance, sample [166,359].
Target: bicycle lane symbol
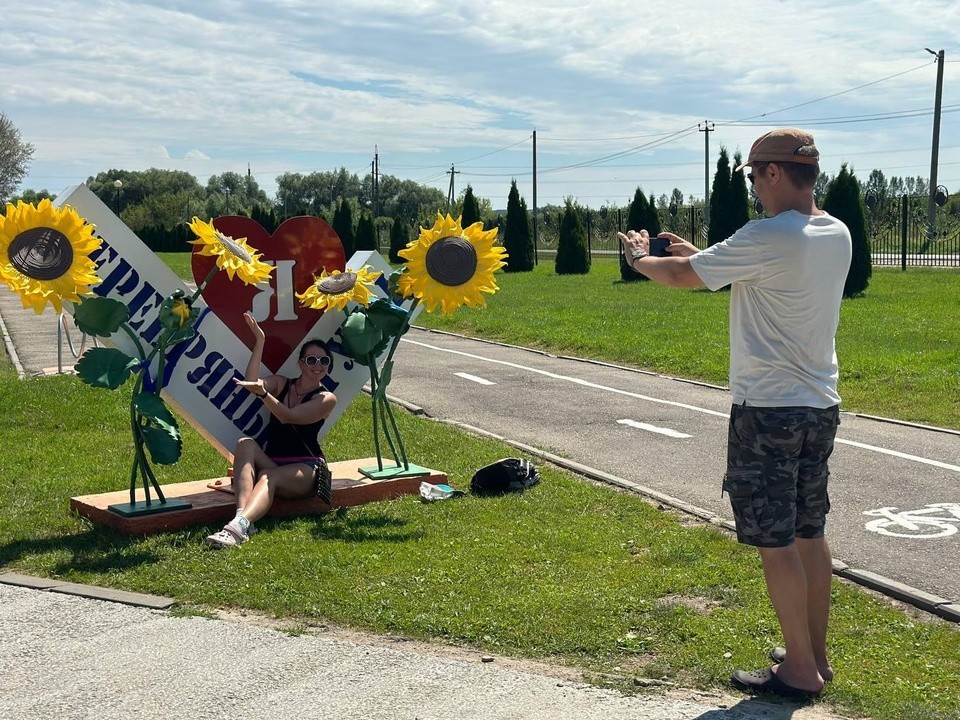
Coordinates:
[931,521]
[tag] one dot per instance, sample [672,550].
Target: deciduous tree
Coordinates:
[15,156]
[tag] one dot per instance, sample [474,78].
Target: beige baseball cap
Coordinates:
[783,145]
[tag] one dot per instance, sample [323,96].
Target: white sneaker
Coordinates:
[230,536]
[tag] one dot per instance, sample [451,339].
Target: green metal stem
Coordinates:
[373,395]
[396,431]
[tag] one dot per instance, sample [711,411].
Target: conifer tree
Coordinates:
[366,233]
[517,237]
[844,202]
[266,216]
[343,226]
[637,218]
[398,239]
[471,209]
[572,255]
[739,198]
[653,218]
[720,201]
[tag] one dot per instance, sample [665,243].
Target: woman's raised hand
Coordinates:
[254,326]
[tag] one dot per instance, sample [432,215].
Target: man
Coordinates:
[787,274]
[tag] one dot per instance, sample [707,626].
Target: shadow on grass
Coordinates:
[92,551]
[345,526]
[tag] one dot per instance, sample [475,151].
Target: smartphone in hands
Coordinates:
[658,247]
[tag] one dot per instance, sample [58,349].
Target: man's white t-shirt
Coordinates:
[787,275]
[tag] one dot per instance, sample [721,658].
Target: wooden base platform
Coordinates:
[211,501]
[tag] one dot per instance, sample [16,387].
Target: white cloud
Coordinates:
[291,86]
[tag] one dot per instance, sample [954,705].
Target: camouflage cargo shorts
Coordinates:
[777,472]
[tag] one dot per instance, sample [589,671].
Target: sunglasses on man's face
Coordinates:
[312,360]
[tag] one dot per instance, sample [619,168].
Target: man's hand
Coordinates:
[679,247]
[634,244]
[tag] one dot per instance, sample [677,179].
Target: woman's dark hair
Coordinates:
[314,342]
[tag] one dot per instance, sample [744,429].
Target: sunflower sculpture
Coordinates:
[449,266]
[154,427]
[233,254]
[370,326]
[335,289]
[45,254]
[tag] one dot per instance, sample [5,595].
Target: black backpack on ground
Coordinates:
[503,476]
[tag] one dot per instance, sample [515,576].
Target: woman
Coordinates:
[287,465]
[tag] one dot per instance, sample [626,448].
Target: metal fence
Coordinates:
[899,237]
[897,230]
[602,226]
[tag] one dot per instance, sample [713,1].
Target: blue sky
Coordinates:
[614,89]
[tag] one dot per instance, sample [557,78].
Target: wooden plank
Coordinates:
[212,500]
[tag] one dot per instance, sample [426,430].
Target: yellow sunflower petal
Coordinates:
[333,290]
[44,254]
[449,266]
[234,255]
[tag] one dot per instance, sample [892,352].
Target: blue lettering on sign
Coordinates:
[209,375]
[140,311]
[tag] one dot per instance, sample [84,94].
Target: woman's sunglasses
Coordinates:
[312,360]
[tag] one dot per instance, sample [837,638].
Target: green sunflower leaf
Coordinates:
[390,318]
[153,407]
[360,336]
[105,367]
[100,316]
[164,446]
[185,333]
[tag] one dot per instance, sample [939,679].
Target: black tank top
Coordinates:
[293,441]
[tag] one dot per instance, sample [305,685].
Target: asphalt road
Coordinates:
[670,435]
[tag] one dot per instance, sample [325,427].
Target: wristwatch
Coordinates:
[636,254]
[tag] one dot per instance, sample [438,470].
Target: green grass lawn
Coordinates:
[569,572]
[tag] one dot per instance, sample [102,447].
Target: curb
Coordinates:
[94,592]
[11,350]
[920,599]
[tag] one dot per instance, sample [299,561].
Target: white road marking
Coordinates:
[567,378]
[653,428]
[707,411]
[896,453]
[474,378]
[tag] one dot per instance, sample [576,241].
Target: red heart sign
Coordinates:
[299,249]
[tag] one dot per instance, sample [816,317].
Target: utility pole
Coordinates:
[450,196]
[535,197]
[935,150]
[376,194]
[376,181]
[706,127]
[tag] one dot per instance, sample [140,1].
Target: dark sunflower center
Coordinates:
[41,253]
[451,261]
[336,284]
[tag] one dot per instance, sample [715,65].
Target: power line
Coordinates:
[836,94]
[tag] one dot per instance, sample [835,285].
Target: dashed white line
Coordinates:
[574,380]
[474,378]
[707,411]
[654,429]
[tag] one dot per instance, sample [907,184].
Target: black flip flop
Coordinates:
[765,680]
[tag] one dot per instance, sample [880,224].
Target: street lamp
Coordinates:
[117,185]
